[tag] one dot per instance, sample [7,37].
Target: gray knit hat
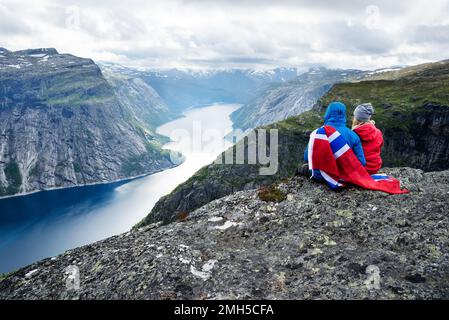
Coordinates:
[364,112]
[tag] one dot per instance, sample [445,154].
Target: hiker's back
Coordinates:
[336,118]
[351,138]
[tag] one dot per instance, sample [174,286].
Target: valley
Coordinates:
[48,223]
[189,228]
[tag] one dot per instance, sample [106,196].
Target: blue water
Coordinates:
[45,224]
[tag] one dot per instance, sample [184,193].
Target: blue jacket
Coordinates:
[336,117]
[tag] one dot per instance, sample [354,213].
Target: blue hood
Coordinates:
[335,114]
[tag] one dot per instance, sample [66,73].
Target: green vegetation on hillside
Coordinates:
[77,168]
[306,121]
[34,172]
[133,166]
[14,177]
[396,100]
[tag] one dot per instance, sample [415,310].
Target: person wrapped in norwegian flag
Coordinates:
[336,157]
[336,117]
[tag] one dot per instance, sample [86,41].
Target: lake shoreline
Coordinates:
[46,223]
[124,180]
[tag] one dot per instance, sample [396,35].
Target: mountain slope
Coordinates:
[396,73]
[316,244]
[62,125]
[416,133]
[140,100]
[280,101]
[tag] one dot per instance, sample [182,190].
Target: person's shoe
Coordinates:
[303,171]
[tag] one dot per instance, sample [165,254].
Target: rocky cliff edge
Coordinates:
[313,244]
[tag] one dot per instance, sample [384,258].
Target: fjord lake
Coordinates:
[47,223]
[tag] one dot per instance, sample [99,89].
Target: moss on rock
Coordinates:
[271,194]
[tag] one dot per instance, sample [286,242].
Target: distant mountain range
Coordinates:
[186,88]
[267,96]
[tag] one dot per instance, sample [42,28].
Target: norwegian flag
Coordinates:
[330,154]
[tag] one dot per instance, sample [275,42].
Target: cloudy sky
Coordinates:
[243,33]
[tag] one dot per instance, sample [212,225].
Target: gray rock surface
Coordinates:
[62,125]
[317,244]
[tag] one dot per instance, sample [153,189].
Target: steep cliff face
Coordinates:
[140,99]
[314,244]
[62,125]
[412,111]
[281,101]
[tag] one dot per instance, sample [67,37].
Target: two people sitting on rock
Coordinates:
[339,156]
[365,139]
[336,117]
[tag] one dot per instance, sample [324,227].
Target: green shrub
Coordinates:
[14,177]
[34,172]
[77,168]
[133,166]
[271,194]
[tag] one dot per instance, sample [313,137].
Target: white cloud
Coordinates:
[245,33]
